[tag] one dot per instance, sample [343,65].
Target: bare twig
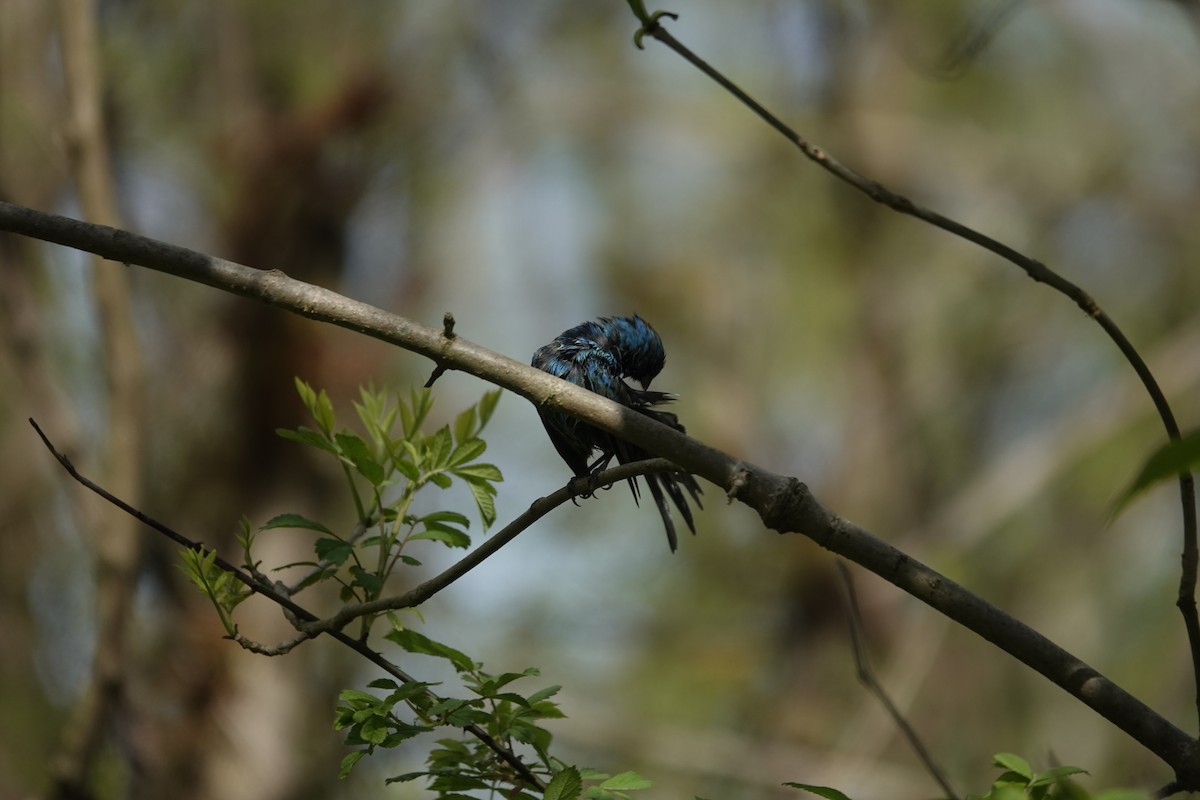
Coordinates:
[866,676]
[784,504]
[1186,598]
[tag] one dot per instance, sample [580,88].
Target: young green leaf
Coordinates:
[295,521]
[487,404]
[469,450]
[418,643]
[307,436]
[1013,763]
[464,425]
[360,455]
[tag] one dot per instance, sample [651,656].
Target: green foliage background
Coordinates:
[523,166]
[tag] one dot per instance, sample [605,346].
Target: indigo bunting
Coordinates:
[599,355]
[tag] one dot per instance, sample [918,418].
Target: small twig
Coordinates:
[866,676]
[448,334]
[302,614]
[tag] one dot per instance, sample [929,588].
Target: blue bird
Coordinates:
[598,356]
[637,345]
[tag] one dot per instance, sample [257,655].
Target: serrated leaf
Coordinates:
[469,450]
[451,537]
[565,785]
[418,643]
[484,494]
[360,455]
[820,791]
[626,781]
[406,468]
[371,583]
[482,472]
[438,448]
[1013,762]
[333,551]
[295,521]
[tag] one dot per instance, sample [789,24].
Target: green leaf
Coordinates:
[371,583]
[307,436]
[406,777]
[374,729]
[439,446]
[318,405]
[464,425]
[440,479]
[565,785]
[821,791]
[361,457]
[1164,464]
[1054,775]
[626,781]
[1014,763]
[383,683]
[543,694]
[295,521]
[412,416]
[483,472]
[484,494]
[406,468]
[447,516]
[451,537]
[487,404]
[469,450]
[350,760]
[418,643]
[334,551]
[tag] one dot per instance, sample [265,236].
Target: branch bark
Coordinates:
[783,503]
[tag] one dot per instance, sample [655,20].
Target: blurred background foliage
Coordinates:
[523,166]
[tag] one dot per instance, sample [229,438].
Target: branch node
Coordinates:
[740,476]
[651,26]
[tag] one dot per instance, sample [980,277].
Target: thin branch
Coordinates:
[1186,599]
[866,676]
[578,487]
[300,613]
[784,504]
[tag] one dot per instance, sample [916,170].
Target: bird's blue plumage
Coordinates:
[599,355]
